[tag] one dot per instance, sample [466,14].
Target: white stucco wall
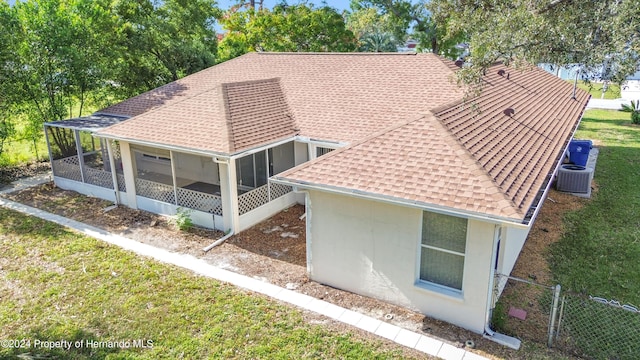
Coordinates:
[510,246]
[372,248]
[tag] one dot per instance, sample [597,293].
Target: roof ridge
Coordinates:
[453,139]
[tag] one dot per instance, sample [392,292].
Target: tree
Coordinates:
[62,55]
[406,14]
[377,42]
[299,28]
[162,42]
[8,27]
[562,32]
[374,30]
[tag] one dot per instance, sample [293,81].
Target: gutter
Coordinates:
[553,175]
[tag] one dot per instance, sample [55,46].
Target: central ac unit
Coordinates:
[574,178]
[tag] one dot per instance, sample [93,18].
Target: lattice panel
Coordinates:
[98,177]
[200,201]
[67,168]
[253,199]
[155,191]
[278,190]
[122,186]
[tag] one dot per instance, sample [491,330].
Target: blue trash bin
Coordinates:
[579,151]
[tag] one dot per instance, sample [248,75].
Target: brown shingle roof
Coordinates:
[419,161]
[338,97]
[257,113]
[488,155]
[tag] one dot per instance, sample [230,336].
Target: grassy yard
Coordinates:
[599,254]
[595,89]
[58,285]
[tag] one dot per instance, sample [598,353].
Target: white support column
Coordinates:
[129,170]
[233,191]
[229,195]
[76,135]
[173,178]
[268,182]
[114,175]
[46,137]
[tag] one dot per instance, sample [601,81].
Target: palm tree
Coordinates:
[377,42]
[634,109]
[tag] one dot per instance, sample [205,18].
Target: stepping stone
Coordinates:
[517,313]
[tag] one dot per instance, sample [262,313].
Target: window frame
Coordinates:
[434,286]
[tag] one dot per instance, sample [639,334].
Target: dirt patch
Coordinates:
[275,251]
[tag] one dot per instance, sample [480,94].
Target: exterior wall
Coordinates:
[372,248]
[510,246]
[301,152]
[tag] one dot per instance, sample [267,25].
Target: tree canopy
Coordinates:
[299,27]
[561,32]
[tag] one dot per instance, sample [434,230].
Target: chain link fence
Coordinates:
[584,326]
[597,328]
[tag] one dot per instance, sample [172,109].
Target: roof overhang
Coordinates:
[401,202]
[91,123]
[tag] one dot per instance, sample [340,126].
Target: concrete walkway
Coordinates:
[609,104]
[420,342]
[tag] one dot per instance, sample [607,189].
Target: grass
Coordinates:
[595,89]
[599,254]
[59,285]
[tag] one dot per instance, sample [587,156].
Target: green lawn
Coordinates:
[58,285]
[600,253]
[595,89]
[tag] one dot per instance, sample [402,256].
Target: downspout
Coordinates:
[492,275]
[232,230]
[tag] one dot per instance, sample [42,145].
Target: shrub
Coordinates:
[634,109]
[183,219]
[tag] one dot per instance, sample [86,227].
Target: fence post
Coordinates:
[554,311]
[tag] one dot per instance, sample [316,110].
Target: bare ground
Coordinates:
[275,251]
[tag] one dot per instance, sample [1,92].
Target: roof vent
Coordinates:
[509,112]
[501,72]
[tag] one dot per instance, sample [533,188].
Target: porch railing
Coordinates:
[260,196]
[196,200]
[156,191]
[68,168]
[200,201]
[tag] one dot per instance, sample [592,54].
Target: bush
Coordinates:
[183,219]
[634,109]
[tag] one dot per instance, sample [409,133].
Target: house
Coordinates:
[630,88]
[416,193]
